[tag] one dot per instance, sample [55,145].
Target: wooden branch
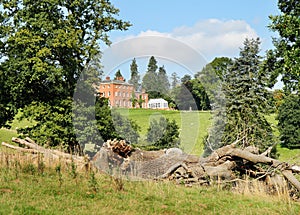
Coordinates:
[291,178]
[48,152]
[20,149]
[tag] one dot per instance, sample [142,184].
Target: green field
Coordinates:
[27,189]
[193,125]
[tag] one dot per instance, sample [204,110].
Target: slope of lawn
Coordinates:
[193,125]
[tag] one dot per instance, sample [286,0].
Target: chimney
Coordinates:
[120,78]
[107,78]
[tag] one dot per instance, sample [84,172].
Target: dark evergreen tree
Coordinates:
[163,81]
[174,80]
[289,122]
[118,75]
[245,95]
[150,83]
[134,77]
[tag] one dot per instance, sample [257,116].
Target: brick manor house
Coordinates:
[120,93]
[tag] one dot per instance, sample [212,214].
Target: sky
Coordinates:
[165,28]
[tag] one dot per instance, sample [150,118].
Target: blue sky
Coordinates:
[213,28]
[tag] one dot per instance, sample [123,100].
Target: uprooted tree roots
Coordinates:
[228,165]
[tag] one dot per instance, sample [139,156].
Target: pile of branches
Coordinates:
[229,164]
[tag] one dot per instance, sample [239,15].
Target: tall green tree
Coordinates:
[163,81]
[118,75]
[149,82]
[284,60]
[45,45]
[174,80]
[134,75]
[245,93]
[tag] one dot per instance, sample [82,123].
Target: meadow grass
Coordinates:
[26,190]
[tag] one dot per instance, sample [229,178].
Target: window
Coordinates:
[108,93]
[116,93]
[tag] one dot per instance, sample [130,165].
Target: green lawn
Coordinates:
[193,125]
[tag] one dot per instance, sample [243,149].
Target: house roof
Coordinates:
[159,100]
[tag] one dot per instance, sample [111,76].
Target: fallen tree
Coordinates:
[228,164]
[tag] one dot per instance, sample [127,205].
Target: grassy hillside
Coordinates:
[193,125]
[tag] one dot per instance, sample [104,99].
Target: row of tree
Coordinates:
[50,49]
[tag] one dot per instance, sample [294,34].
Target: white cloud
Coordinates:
[191,46]
[212,37]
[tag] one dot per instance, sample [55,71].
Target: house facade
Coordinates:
[121,93]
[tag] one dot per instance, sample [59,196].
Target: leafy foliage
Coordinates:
[112,125]
[155,83]
[289,121]
[191,94]
[285,59]
[212,75]
[163,133]
[45,45]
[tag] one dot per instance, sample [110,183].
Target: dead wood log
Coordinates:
[291,178]
[49,153]
[233,152]
[20,149]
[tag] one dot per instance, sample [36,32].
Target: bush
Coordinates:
[163,133]
[289,121]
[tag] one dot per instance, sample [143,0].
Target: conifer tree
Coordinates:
[135,77]
[163,81]
[245,103]
[150,78]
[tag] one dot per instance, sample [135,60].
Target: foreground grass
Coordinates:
[25,189]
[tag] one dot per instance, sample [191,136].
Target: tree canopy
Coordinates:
[285,59]
[45,46]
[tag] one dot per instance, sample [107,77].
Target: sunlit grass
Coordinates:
[26,190]
[193,125]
